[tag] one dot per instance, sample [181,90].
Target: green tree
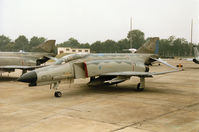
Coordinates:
[96,47]
[10,46]
[123,45]
[137,37]
[84,45]
[110,46]
[174,47]
[21,43]
[70,43]
[34,41]
[3,42]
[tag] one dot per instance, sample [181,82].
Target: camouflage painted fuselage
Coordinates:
[89,65]
[21,59]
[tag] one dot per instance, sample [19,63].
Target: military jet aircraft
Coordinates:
[196,55]
[102,69]
[9,61]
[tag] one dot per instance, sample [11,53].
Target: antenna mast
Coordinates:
[131,28]
[191,37]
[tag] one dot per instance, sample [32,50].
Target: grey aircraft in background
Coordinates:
[9,61]
[102,69]
[196,56]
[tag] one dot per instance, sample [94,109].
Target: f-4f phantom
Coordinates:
[102,69]
[9,61]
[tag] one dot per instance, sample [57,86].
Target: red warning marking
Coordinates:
[86,70]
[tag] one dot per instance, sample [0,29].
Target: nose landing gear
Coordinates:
[55,87]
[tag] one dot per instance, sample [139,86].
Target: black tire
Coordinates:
[58,94]
[138,87]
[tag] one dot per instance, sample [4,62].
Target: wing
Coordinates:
[139,74]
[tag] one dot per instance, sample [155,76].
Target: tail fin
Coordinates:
[196,53]
[48,46]
[150,47]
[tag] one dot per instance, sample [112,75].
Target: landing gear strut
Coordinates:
[24,71]
[141,85]
[55,87]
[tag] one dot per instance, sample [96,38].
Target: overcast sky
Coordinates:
[92,20]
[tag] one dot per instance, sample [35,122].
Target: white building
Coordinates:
[70,50]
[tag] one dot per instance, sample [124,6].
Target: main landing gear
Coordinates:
[141,84]
[55,87]
[57,94]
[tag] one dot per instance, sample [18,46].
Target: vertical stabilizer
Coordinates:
[48,46]
[150,47]
[196,53]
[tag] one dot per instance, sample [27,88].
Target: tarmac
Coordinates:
[169,103]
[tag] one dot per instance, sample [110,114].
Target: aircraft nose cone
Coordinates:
[30,77]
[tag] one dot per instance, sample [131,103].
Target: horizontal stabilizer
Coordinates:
[165,63]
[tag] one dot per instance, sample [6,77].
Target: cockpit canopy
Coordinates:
[71,57]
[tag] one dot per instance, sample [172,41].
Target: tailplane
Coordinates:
[48,46]
[150,47]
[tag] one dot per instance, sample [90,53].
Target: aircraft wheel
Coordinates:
[58,94]
[138,87]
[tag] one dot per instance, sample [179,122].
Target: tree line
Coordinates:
[20,43]
[171,46]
